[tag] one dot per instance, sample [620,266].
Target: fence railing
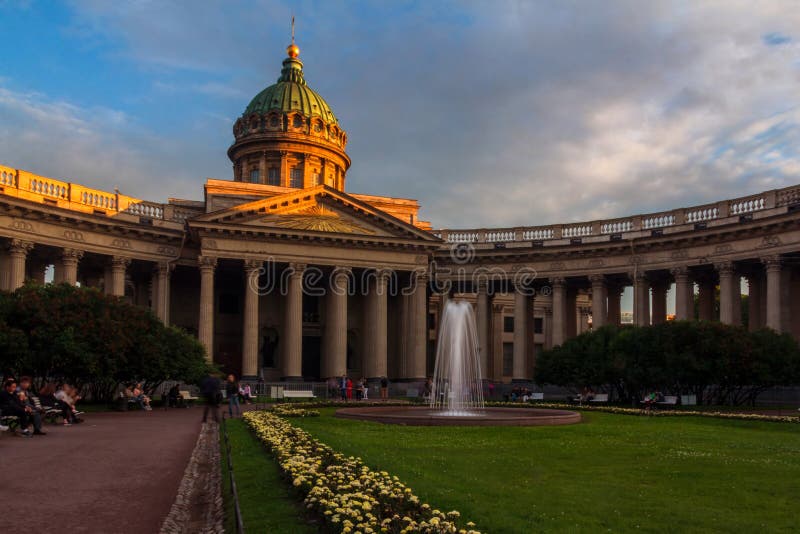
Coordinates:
[232,479]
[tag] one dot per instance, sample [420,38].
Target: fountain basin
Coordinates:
[425,416]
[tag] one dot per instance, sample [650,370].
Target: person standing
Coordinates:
[209,388]
[384,388]
[343,387]
[349,389]
[232,392]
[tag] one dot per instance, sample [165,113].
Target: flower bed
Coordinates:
[348,495]
[288,410]
[620,410]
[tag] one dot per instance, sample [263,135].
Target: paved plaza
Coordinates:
[116,473]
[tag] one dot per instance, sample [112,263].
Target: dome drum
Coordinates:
[288,136]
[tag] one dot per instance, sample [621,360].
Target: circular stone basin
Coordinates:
[424,416]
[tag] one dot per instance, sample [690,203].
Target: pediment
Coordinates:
[319,210]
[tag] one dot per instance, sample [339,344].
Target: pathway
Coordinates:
[115,473]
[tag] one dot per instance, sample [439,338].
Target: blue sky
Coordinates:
[489,113]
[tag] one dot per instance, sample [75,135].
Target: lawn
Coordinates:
[611,472]
[265,499]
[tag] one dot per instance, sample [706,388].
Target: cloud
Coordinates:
[490,114]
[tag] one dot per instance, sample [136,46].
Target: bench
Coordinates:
[49,413]
[599,397]
[669,400]
[298,394]
[11,421]
[187,397]
[535,396]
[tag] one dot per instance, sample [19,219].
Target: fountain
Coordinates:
[457,386]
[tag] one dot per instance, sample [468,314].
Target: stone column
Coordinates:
[705,299]
[571,327]
[729,293]
[18,253]
[335,333]
[641,299]
[284,169]
[755,290]
[659,292]
[119,265]
[614,295]
[548,327]
[252,270]
[262,168]
[774,267]
[205,325]
[293,325]
[444,297]
[559,291]
[599,307]
[684,294]
[5,266]
[496,368]
[520,334]
[375,357]
[482,322]
[418,300]
[162,274]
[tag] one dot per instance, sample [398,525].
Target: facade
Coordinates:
[285,276]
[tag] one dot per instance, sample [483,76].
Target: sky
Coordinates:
[489,113]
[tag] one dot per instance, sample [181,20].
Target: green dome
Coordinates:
[291,94]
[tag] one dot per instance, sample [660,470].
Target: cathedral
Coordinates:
[285,276]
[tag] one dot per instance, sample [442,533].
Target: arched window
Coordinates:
[274,176]
[297,122]
[254,176]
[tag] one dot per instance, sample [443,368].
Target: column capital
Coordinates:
[724,267]
[548,311]
[71,254]
[497,308]
[207,262]
[772,263]
[164,267]
[558,281]
[250,266]
[597,279]
[680,271]
[297,269]
[20,246]
[120,262]
[638,276]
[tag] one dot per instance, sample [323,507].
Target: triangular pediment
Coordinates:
[319,210]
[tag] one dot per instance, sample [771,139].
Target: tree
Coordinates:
[87,338]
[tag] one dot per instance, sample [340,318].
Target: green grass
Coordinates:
[265,499]
[611,472]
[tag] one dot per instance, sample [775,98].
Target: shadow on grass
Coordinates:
[267,503]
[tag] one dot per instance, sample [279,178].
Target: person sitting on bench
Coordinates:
[47,397]
[174,398]
[11,404]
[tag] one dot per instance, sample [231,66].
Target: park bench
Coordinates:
[599,397]
[11,421]
[669,400]
[187,397]
[536,396]
[49,413]
[299,394]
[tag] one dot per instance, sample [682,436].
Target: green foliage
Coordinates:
[719,362]
[88,338]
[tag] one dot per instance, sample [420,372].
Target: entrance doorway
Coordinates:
[311,357]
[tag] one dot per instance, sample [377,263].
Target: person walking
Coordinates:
[209,388]
[232,392]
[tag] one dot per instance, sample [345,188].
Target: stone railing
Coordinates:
[69,195]
[698,216]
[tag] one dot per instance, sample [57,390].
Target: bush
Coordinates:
[82,336]
[718,362]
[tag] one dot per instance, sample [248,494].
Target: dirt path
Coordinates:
[115,473]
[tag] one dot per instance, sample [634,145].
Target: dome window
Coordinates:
[297,121]
[273,121]
[296,177]
[274,177]
[254,176]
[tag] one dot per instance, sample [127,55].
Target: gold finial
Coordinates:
[293,50]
